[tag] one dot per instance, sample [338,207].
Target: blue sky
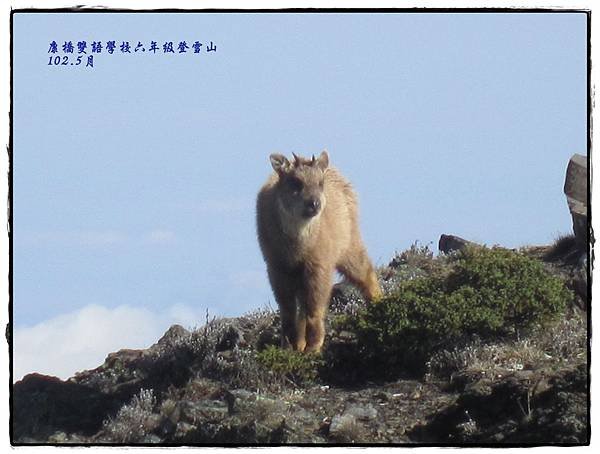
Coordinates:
[135,180]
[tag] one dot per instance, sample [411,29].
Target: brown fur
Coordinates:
[307,219]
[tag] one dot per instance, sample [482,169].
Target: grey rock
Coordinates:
[204,410]
[242,394]
[341,425]
[576,190]
[173,335]
[365,412]
[451,243]
[58,437]
[151,438]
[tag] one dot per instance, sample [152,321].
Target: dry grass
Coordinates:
[134,420]
[346,429]
[563,343]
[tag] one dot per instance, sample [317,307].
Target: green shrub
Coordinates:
[295,366]
[487,292]
[514,289]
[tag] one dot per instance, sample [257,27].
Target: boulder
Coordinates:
[451,243]
[576,190]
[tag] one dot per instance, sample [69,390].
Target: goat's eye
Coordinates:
[295,184]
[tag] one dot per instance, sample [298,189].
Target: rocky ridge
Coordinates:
[209,386]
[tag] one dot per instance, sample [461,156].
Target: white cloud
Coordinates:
[82,339]
[190,317]
[159,236]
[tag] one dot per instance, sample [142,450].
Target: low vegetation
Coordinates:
[294,366]
[488,293]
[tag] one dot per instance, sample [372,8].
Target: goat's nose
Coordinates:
[311,207]
[314,204]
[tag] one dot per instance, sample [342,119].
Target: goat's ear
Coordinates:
[323,160]
[280,163]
